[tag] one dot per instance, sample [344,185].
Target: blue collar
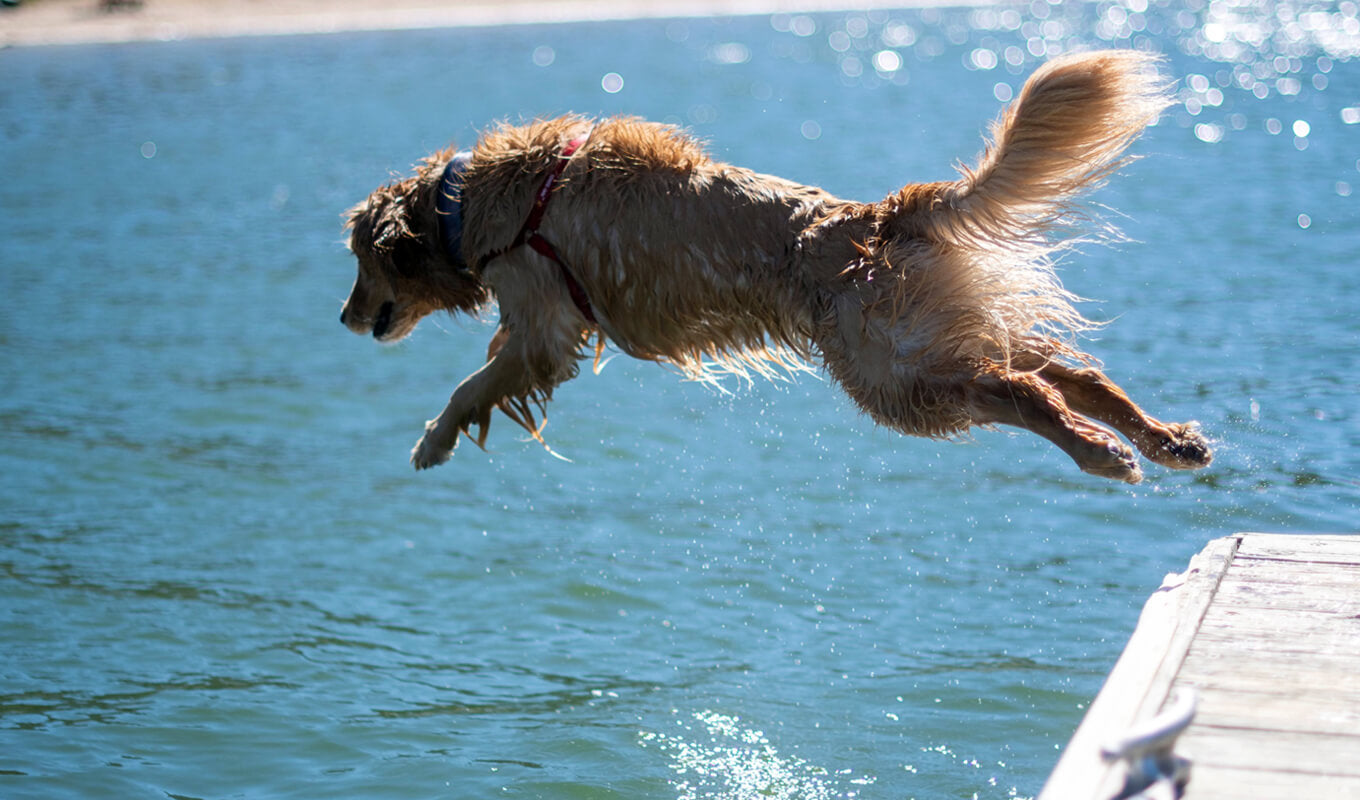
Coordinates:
[448,205]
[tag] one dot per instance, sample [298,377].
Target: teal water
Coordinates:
[221,578]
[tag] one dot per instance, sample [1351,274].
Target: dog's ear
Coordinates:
[393,219]
[397,231]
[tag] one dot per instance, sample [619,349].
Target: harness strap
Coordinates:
[528,233]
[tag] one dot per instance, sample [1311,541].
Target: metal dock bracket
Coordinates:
[1154,771]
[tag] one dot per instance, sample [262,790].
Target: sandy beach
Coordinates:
[66,22]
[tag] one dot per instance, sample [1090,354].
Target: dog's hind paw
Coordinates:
[1184,447]
[1116,463]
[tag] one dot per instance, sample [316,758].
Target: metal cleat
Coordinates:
[1154,771]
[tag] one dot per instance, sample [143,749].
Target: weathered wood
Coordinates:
[1231,783]
[1279,669]
[1290,547]
[1250,748]
[1280,673]
[1266,629]
[1273,573]
[1224,705]
[1334,597]
[1313,630]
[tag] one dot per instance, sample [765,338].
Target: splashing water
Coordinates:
[738,763]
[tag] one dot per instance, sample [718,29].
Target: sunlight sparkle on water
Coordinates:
[1264,49]
[728,761]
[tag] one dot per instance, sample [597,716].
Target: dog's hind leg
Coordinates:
[1026,401]
[1088,391]
[950,397]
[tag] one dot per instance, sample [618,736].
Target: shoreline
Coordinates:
[75,22]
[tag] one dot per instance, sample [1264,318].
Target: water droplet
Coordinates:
[1209,133]
[802,25]
[729,53]
[982,58]
[887,61]
[612,82]
[899,35]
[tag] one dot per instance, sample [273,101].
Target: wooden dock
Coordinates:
[1264,629]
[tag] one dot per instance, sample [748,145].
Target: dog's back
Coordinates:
[684,259]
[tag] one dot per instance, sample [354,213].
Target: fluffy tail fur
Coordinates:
[992,235]
[1061,138]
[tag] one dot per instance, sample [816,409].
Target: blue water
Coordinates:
[221,578]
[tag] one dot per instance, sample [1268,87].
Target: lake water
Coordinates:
[221,578]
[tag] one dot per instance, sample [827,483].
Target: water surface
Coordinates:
[221,579]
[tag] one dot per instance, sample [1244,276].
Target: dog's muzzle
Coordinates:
[381,323]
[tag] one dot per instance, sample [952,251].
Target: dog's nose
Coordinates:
[342,317]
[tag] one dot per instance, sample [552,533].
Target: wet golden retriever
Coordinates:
[936,308]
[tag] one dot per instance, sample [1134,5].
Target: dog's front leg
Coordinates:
[523,366]
[471,403]
[536,347]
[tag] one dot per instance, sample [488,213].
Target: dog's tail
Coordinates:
[1064,134]
[983,246]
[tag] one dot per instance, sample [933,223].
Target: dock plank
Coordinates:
[1266,629]
[1280,672]
[1233,783]
[1290,547]
[1277,572]
[1334,597]
[1223,705]
[1318,630]
[1269,750]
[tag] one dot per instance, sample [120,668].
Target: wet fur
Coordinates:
[936,308]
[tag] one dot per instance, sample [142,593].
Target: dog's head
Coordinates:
[405,270]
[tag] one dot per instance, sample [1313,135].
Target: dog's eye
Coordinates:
[408,256]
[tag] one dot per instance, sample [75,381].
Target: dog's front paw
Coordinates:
[434,448]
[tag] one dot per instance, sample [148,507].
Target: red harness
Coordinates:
[528,233]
